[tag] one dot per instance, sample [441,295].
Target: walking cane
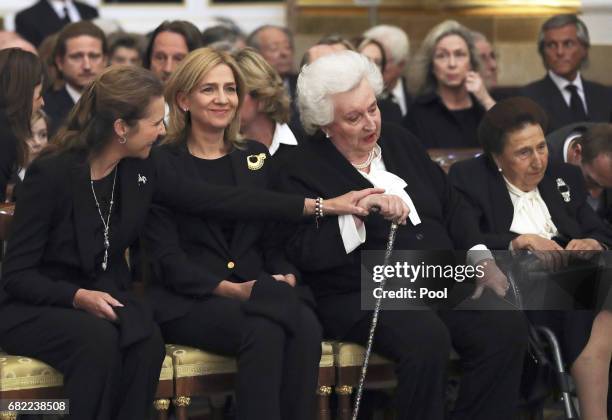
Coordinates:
[366,359]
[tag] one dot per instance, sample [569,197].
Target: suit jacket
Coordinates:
[51,249]
[547,95]
[8,154]
[192,253]
[485,189]
[318,251]
[556,141]
[58,104]
[40,20]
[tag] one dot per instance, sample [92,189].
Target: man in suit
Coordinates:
[275,44]
[79,56]
[566,97]
[47,17]
[588,146]
[397,48]
[169,43]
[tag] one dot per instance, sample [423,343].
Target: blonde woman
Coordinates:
[264,115]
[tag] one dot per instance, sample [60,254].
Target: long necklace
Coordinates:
[106,223]
[374,153]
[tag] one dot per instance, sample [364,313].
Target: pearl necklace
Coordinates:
[374,153]
[106,223]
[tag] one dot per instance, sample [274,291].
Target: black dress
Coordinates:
[275,334]
[438,127]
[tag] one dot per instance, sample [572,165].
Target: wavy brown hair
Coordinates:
[119,92]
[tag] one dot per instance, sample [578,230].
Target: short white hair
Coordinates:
[394,40]
[334,73]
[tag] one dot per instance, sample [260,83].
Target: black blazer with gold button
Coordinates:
[192,255]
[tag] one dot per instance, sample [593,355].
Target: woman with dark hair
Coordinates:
[524,202]
[65,293]
[21,81]
[452,97]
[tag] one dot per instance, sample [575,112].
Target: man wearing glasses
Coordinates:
[563,44]
[79,55]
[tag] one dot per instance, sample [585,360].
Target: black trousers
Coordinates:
[491,344]
[277,372]
[101,380]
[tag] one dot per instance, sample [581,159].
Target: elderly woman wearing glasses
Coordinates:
[350,148]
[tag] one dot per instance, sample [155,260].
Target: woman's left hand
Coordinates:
[345,204]
[493,279]
[475,85]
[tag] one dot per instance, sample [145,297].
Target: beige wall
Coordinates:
[513,36]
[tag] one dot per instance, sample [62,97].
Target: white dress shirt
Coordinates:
[282,135]
[561,83]
[531,213]
[61,5]
[353,236]
[73,93]
[399,96]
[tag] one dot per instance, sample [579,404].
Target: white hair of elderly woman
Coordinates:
[334,73]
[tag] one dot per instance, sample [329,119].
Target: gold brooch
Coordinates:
[255,162]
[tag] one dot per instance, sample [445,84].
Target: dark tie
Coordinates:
[66,19]
[576,105]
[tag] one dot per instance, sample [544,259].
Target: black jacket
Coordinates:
[8,154]
[556,142]
[191,253]
[51,249]
[437,127]
[320,170]
[486,191]
[547,95]
[40,20]
[58,104]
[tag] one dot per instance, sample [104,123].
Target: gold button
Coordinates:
[231,265]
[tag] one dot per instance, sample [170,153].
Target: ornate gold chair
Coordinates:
[446,157]
[200,373]
[27,378]
[348,360]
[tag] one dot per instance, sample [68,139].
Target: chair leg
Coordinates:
[344,401]
[323,394]
[180,407]
[161,408]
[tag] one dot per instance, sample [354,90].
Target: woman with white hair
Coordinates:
[349,148]
[452,97]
